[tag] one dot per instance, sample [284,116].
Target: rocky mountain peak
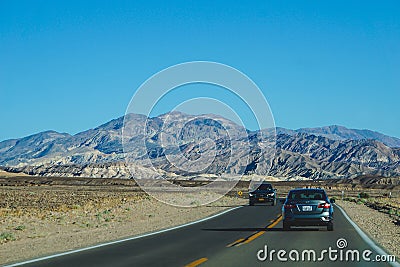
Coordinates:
[314,153]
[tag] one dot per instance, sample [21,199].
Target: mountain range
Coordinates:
[312,153]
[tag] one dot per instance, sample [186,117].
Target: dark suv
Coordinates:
[263,193]
[307,207]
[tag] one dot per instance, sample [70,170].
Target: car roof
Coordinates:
[308,189]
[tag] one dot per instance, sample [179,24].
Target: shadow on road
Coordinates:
[252,229]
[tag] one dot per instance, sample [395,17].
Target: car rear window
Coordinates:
[264,187]
[310,195]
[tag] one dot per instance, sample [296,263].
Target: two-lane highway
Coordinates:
[232,239]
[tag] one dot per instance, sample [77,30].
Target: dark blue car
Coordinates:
[307,207]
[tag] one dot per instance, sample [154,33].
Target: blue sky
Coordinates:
[73,65]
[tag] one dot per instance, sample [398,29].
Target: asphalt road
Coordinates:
[232,239]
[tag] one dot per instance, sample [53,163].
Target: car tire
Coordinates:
[251,203]
[329,227]
[273,202]
[286,226]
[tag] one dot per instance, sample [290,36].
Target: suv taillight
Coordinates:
[324,205]
[290,206]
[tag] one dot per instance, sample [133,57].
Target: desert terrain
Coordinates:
[44,215]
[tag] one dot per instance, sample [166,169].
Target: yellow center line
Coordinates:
[256,235]
[196,262]
[251,238]
[235,242]
[276,222]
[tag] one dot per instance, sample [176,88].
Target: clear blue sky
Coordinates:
[72,65]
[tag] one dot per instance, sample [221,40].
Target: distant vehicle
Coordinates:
[263,193]
[307,207]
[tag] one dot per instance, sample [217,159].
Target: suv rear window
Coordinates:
[265,187]
[307,194]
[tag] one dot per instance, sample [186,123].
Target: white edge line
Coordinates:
[366,238]
[121,240]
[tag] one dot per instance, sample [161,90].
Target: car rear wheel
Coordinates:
[329,227]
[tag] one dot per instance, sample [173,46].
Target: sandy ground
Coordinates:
[37,221]
[378,225]
[9,174]
[47,216]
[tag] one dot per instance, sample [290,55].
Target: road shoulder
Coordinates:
[379,226]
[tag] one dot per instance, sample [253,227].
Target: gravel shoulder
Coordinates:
[379,226]
[38,221]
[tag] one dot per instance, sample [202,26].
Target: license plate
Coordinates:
[260,199]
[307,208]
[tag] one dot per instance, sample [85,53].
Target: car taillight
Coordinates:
[290,206]
[324,205]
